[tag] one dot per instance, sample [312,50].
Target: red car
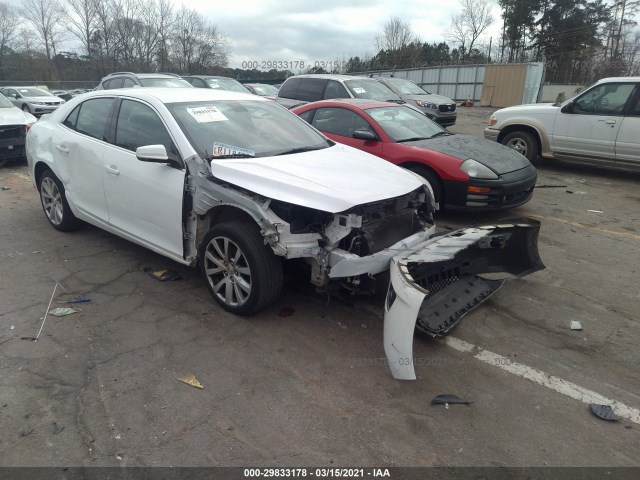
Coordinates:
[465,172]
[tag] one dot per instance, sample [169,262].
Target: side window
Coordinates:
[138,125]
[94,116]
[339,121]
[289,88]
[116,82]
[335,90]
[635,103]
[306,116]
[198,83]
[72,119]
[310,89]
[190,80]
[106,84]
[128,83]
[606,99]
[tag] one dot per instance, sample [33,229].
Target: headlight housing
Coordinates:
[492,120]
[37,103]
[425,104]
[477,170]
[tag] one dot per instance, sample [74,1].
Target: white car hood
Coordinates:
[530,108]
[15,116]
[333,179]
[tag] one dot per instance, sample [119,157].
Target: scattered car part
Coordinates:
[604,411]
[449,399]
[433,287]
[575,325]
[190,379]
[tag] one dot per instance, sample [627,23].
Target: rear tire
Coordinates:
[242,273]
[522,142]
[54,203]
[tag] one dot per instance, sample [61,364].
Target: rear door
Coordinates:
[628,141]
[144,199]
[78,147]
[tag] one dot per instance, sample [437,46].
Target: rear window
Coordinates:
[164,82]
[289,88]
[310,89]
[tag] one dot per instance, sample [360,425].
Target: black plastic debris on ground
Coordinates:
[605,412]
[449,399]
[164,275]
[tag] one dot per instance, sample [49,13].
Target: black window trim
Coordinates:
[113,123]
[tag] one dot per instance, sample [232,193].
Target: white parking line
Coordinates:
[541,378]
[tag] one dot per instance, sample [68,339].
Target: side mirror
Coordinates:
[155,154]
[365,135]
[568,108]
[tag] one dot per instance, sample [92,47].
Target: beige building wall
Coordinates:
[503,85]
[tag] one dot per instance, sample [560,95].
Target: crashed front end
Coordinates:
[434,286]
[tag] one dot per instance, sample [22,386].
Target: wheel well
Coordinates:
[221,214]
[38,170]
[416,167]
[515,128]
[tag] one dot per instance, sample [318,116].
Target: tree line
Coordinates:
[112,35]
[578,40]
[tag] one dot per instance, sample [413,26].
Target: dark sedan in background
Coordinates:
[466,173]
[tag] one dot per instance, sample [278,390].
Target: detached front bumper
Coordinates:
[434,286]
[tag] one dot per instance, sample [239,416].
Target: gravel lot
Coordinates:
[311,388]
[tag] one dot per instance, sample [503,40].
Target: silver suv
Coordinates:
[130,80]
[438,108]
[313,87]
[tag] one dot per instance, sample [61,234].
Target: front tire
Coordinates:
[522,142]
[242,273]
[54,203]
[433,179]
[25,108]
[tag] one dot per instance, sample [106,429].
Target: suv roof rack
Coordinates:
[168,73]
[120,73]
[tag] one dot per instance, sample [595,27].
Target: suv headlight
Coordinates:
[477,170]
[492,120]
[424,104]
[37,103]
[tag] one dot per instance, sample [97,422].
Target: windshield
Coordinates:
[371,89]
[406,87]
[226,84]
[164,82]
[33,92]
[264,89]
[4,102]
[404,124]
[248,128]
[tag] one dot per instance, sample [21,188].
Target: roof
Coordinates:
[361,103]
[175,95]
[208,76]
[619,79]
[330,76]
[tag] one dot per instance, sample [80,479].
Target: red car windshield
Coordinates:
[404,124]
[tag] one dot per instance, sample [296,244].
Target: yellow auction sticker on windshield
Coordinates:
[206,114]
[224,150]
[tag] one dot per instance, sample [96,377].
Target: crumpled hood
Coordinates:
[429,97]
[333,179]
[497,157]
[15,116]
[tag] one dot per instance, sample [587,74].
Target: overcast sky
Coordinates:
[311,30]
[308,30]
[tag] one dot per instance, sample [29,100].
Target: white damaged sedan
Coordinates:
[236,184]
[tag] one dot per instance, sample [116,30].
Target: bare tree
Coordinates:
[9,28]
[82,21]
[197,44]
[105,35]
[45,16]
[470,24]
[395,34]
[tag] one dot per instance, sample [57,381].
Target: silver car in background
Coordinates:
[32,100]
[438,108]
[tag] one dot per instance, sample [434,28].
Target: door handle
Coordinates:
[62,148]
[610,122]
[112,170]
